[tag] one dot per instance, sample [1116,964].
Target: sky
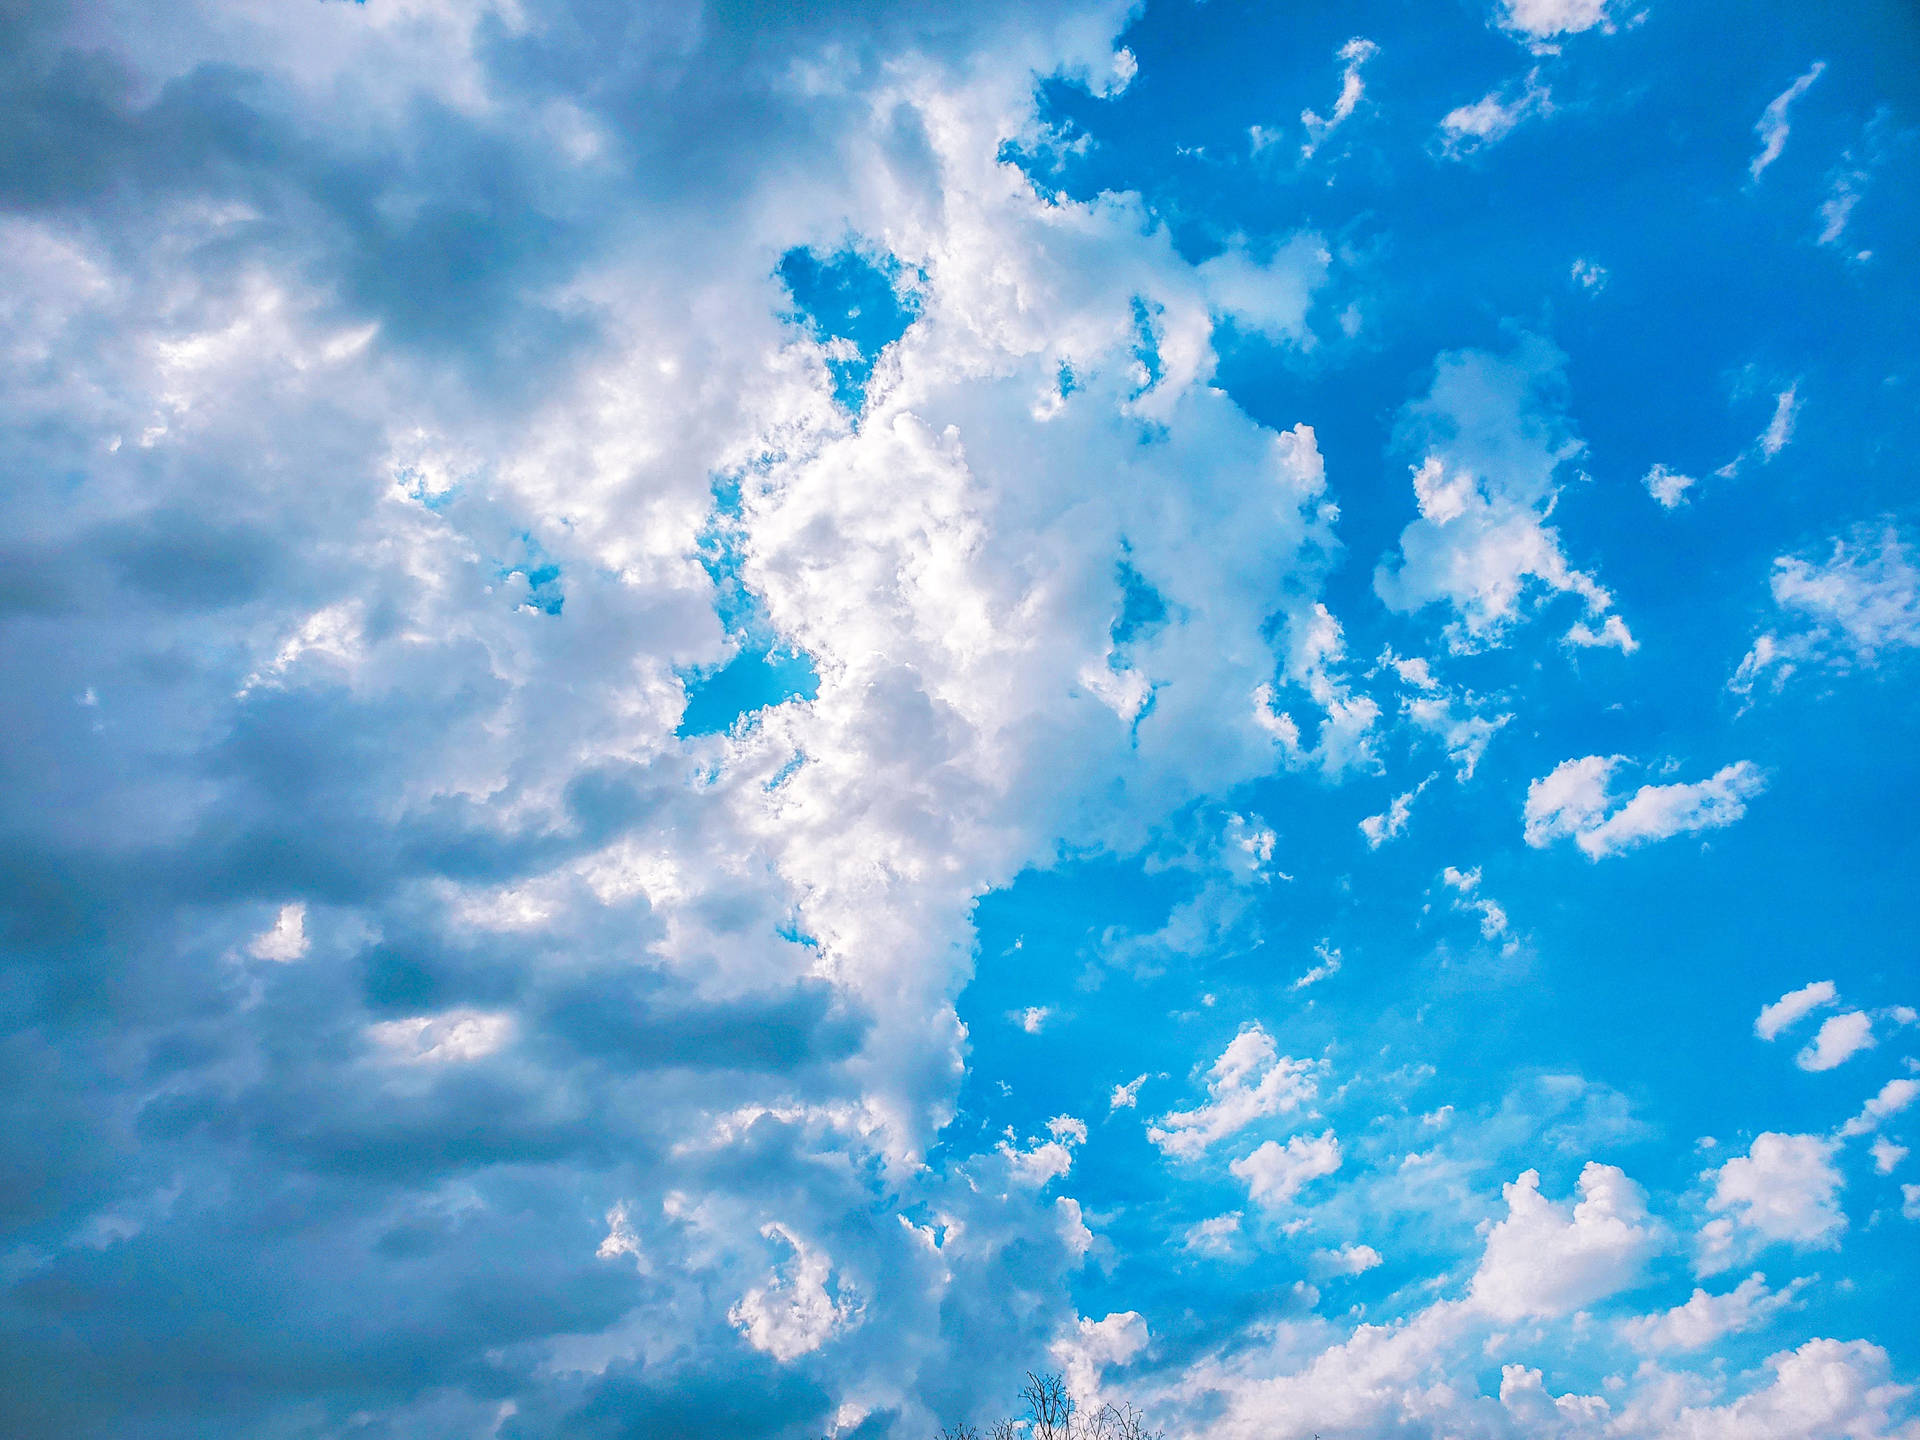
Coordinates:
[727,719]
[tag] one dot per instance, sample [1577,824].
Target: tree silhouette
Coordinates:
[1052,1413]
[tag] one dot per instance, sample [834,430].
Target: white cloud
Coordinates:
[1493,916]
[1589,275]
[1772,127]
[1391,823]
[1863,600]
[1896,1095]
[1576,801]
[1347,1260]
[1494,436]
[451,1037]
[795,1312]
[1250,1081]
[1541,18]
[1779,432]
[1269,297]
[1276,1173]
[287,940]
[1910,1201]
[1328,967]
[1669,487]
[1886,1155]
[1785,1188]
[1792,1007]
[1491,117]
[1126,1096]
[1033,1019]
[1216,1236]
[1093,1345]
[1356,52]
[1704,1319]
[1548,1258]
[1840,1038]
[1462,722]
[1823,1389]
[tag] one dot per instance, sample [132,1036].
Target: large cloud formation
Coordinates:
[419,1026]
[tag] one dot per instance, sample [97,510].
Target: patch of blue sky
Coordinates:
[764,669]
[855,303]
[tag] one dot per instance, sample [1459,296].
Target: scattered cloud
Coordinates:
[1493,116]
[1577,801]
[1839,613]
[1549,1258]
[1786,1188]
[1250,1081]
[1356,52]
[1841,1037]
[1275,1173]
[1792,1007]
[1772,126]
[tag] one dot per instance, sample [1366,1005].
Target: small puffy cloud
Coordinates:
[451,1037]
[1886,1155]
[1033,1019]
[1705,1318]
[1576,801]
[1328,967]
[1543,18]
[1862,600]
[1793,1006]
[1839,1040]
[1910,1201]
[1772,126]
[1894,1096]
[1493,916]
[1391,823]
[621,1239]
[1270,297]
[1493,435]
[1491,117]
[1548,1258]
[1668,486]
[1275,1173]
[1126,1096]
[1250,1081]
[1347,1260]
[1356,52]
[799,1308]
[287,940]
[1589,275]
[1044,1160]
[1785,1188]
[1215,1236]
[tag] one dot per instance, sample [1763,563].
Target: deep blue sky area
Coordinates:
[733,719]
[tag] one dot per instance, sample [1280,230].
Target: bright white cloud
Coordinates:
[1576,801]
[800,1307]
[451,1037]
[1494,436]
[1276,1173]
[1549,1258]
[1792,1007]
[1347,1260]
[287,940]
[1216,1236]
[1863,600]
[1667,486]
[1542,18]
[1250,1081]
[1704,1319]
[1785,1188]
[1125,1097]
[1391,823]
[1896,1095]
[1840,1038]
[1886,1155]
[1772,126]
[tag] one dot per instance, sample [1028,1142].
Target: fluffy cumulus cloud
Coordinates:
[1250,1081]
[1548,1258]
[1577,801]
[1493,439]
[1786,1188]
[1275,1173]
[1793,1007]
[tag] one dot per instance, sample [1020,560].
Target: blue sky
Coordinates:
[728,720]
